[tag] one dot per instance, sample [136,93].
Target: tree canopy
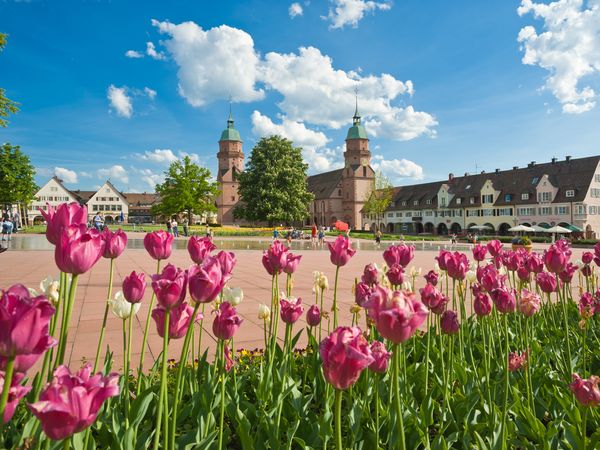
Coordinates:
[379,197]
[273,187]
[187,187]
[16,176]
[7,106]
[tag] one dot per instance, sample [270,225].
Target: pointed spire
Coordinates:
[356,118]
[230,119]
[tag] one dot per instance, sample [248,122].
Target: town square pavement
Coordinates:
[30,266]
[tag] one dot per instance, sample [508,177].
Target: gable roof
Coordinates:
[323,184]
[420,192]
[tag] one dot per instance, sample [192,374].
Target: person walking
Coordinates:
[169,225]
[321,236]
[275,233]
[313,233]
[175,229]
[185,227]
[378,238]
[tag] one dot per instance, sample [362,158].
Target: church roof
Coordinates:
[230,133]
[323,184]
[357,130]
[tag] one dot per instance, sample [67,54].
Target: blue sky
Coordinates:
[119,89]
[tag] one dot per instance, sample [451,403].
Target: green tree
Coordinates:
[379,197]
[16,176]
[273,187]
[7,106]
[187,187]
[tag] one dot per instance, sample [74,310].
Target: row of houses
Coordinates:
[113,205]
[560,192]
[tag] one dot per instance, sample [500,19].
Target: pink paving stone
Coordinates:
[29,267]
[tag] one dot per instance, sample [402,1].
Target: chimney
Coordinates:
[531,164]
[450,176]
[466,174]
[482,172]
[497,170]
[553,160]
[568,158]
[515,167]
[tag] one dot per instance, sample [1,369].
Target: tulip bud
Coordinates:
[122,308]
[313,316]
[264,312]
[233,295]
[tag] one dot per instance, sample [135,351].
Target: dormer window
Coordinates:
[472,200]
[507,197]
[468,187]
[535,180]
[458,201]
[428,201]
[525,196]
[404,203]
[416,202]
[570,193]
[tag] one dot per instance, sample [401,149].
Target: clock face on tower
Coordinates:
[364,161]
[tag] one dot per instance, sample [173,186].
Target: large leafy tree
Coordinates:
[379,197]
[187,187]
[273,187]
[7,106]
[16,176]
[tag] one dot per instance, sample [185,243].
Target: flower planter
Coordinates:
[526,247]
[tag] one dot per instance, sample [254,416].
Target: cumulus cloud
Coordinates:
[213,64]
[350,12]
[397,170]
[221,61]
[295,9]
[68,176]
[165,156]
[114,173]
[151,52]
[133,54]
[151,93]
[568,47]
[120,101]
[149,178]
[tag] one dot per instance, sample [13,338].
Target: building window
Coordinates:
[416,202]
[364,171]
[404,203]
[580,209]
[562,210]
[443,201]
[458,201]
[545,211]
[544,197]
[508,198]
[390,214]
[472,200]
[488,198]
[409,214]
[526,211]
[592,210]
[525,196]
[595,193]
[108,190]
[488,212]
[53,189]
[597,178]
[233,198]
[505,212]
[428,201]
[429,213]
[570,193]
[535,180]
[340,192]
[95,208]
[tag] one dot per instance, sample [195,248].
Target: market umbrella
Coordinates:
[538,229]
[519,228]
[480,227]
[341,226]
[558,229]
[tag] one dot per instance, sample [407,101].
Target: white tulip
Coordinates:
[32,292]
[233,295]
[502,270]
[406,286]
[121,307]
[264,312]
[415,271]
[50,287]
[320,281]
[472,276]
[436,268]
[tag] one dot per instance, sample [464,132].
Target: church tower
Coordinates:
[231,162]
[358,176]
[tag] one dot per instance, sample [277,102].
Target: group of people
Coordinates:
[10,223]
[317,235]
[173,227]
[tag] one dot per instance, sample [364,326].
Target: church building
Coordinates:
[339,194]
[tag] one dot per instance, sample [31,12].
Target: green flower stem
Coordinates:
[527,369]
[506,385]
[125,365]
[583,429]
[163,380]
[273,299]
[397,397]
[145,338]
[105,318]
[335,307]
[67,443]
[126,371]
[64,332]
[338,419]
[180,369]
[563,300]
[200,333]
[584,349]
[376,379]
[427,352]
[8,376]
[222,409]
[321,311]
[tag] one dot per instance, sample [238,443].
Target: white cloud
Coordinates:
[402,124]
[295,9]
[165,156]
[68,176]
[151,93]
[85,174]
[350,12]
[213,64]
[120,101]
[568,48]
[133,54]
[397,170]
[151,51]
[194,157]
[115,173]
[148,177]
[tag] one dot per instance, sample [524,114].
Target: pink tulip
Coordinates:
[380,356]
[134,287]
[228,262]
[70,402]
[170,286]
[180,319]
[15,394]
[587,257]
[399,254]
[370,274]
[64,215]
[395,275]
[431,297]
[482,305]
[266,262]
[199,248]
[523,274]
[586,390]
[158,244]
[449,322]
[516,361]
[479,252]
[229,362]
[489,278]
[555,259]
[397,315]
[513,260]
[587,305]
[547,282]
[291,309]
[345,354]
[274,258]
[494,247]
[362,291]
[431,277]
[586,270]
[25,362]
[457,266]
[226,321]
[535,263]
[313,316]
[529,303]
[567,274]
[78,249]
[442,259]
[23,322]
[206,280]
[340,251]
[114,243]
[505,299]
[291,263]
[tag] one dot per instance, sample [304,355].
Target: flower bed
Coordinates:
[412,370]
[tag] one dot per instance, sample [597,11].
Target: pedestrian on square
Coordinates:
[378,238]
[169,224]
[207,231]
[7,229]
[175,229]
[275,233]
[313,233]
[321,236]
[98,222]
[185,227]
